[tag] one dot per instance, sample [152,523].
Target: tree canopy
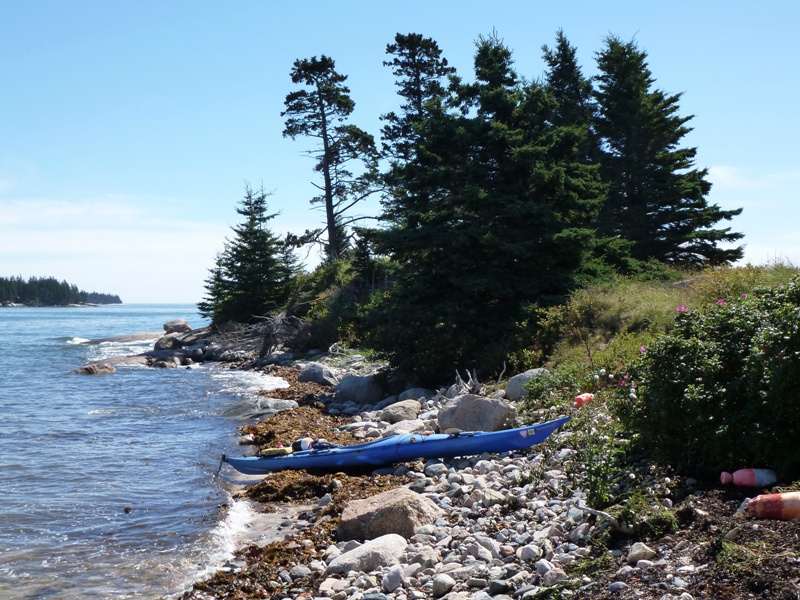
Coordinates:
[345,154]
[500,194]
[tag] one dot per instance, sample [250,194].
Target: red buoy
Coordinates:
[785,506]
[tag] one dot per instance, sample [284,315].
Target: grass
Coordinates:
[599,331]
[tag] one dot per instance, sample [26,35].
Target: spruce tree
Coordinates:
[492,219]
[248,279]
[656,197]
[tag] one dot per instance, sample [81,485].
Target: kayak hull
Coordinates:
[400,448]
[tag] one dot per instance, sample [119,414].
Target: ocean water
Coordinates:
[108,484]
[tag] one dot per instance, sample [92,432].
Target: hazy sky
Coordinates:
[129,128]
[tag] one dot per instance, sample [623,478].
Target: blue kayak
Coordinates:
[400,448]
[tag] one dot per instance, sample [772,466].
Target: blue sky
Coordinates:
[128,129]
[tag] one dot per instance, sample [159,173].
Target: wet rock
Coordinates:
[95,369]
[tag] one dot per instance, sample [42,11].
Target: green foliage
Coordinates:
[721,390]
[605,325]
[491,211]
[656,198]
[319,109]
[600,451]
[252,274]
[332,295]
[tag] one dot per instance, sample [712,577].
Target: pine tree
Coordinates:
[346,155]
[656,198]
[492,214]
[420,68]
[248,279]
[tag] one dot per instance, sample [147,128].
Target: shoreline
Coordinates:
[506,526]
[527,534]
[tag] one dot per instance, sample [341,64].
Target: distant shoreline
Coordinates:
[79,305]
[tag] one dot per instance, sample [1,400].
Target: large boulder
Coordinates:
[416,394]
[177,326]
[405,410]
[317,373]
[361,389]
[470,412]
[515,388]
[400,511]
[384,551]
[259,408]
[170,341]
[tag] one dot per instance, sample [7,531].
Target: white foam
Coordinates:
[247,382]
[223,540]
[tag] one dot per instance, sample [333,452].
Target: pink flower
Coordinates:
[642,349]
[682,308]
[744,296]
[720,302]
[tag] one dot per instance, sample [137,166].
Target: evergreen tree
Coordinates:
[572,92]
[346,155]
[419,67]
[656,198]
[493,218]
[248,279]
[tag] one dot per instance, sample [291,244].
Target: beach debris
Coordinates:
[749,478]
[582,399]
[784,506]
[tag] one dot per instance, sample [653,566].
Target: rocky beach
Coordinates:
[502,526]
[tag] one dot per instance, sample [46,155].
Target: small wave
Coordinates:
[244,382]
[223,540]
[76,340]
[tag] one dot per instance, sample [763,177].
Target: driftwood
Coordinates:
[282,331]
[471,385]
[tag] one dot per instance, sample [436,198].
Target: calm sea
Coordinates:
[107,483]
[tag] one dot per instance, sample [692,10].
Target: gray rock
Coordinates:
[414,426]
[95,369]
[299,571]
[317,373]
[177,326]
[405,410]
[416,394]
[361,389]
[515,388]
[384,551]
[476,413]
[442,583]
[171,341]
[399,511]
[393,579]
[640,551]
[618,586]
[427,557]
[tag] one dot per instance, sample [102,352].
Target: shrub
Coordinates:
[721,390]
